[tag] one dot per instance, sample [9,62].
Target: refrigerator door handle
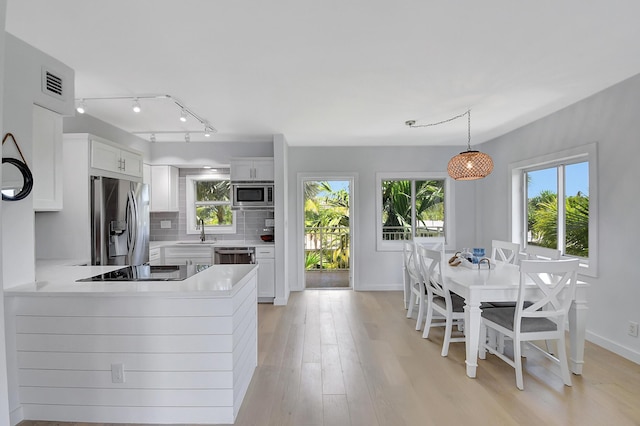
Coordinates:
[132,224]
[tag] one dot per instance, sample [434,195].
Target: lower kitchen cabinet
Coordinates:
[265,257]
[187,255]
[155,256]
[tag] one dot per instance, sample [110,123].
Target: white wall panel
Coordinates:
[193,364]
[178,362]
[133,379]
[124,325]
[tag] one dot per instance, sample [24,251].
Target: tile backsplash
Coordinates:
[249,224]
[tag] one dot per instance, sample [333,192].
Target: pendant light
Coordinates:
[470,164]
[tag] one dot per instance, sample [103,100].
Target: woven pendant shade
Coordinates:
[470,165]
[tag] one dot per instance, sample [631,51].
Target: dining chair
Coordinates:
[508,252]
[414,286]
[544,319]
[416,289]
[448,306]
[532,252]
[505,251]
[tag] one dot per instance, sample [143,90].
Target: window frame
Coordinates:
[190,181]
[449,218]
[519,198]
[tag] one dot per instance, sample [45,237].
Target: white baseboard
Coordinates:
[614,347]
[280,301]
[16,416]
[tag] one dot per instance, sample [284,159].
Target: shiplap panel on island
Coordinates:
[185,359]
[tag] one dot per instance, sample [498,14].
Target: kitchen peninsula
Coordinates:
[133,352]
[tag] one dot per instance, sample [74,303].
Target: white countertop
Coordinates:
[215,281]
[210,243]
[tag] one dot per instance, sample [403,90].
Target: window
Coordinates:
[410,207]
[557,206]
[209,200]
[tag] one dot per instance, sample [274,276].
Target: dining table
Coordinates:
[500,282]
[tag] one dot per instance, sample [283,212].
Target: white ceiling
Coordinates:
[336,72]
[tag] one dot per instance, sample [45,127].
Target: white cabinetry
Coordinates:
[112,158]
[155,256]
[187,255]
[265,258]
[47,160]
[252,169]
[164,188]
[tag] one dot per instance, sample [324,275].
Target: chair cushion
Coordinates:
[456,301]
[504,317]
[504,304]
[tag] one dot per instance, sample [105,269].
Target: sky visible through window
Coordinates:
[577,180]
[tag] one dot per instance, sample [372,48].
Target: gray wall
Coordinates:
[374,270]
[22,89]
[4,388]
[609,118]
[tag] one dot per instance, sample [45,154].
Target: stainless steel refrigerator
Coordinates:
[119,222]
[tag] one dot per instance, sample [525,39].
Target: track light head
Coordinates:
[153,137]
[183,115]
[207,131]
[187,137]
[136,106]
[81,108]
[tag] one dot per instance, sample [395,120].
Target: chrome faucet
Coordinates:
[201,224]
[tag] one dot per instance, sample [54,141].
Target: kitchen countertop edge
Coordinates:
[216,281]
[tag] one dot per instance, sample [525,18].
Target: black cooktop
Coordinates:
[149,273]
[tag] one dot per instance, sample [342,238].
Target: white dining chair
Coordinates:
[408,257]
[544,319]
[448,307]
[532,252]
[505,251]
[414,284]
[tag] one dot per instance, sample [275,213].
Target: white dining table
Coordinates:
[500,284]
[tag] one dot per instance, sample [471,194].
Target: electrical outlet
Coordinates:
[632,329]
[117,373]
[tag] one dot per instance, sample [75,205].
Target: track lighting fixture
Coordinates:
[81,108]
[185,112]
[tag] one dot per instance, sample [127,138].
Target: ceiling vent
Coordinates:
[53,84]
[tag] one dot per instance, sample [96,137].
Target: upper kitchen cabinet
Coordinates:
[164,188]
[47,159]
[115,159]
[252,169]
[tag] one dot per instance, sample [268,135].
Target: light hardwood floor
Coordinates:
[338,357]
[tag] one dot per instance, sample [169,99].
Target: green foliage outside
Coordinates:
[542,217]
[396,208]
[213,202]
[326,224]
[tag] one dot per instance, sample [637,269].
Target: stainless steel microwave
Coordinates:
[252,195]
